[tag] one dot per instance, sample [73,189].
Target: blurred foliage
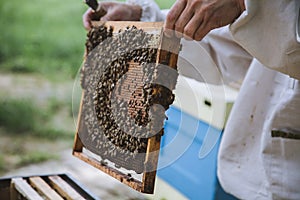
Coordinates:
[21,116]
[45,37]
[20,151]
[2,163]
[36,157]
[165,4]
[28,132]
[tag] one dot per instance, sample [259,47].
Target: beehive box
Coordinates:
[52,187]
[129,72]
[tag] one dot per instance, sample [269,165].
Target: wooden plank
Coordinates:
[43,188]
[14,194]
[151,163]
[5,188]
[78,146]
[168,55]
[19,185]
[146,26]
[77,142]
[133,183]
[64,189]
[168,51]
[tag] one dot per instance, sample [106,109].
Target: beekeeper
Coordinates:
[259,156]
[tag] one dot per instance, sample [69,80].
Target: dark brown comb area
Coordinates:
[125,94]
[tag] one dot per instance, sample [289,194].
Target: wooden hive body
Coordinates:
[54,187]
[124,80]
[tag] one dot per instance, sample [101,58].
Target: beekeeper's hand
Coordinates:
[195,18]
[113,11]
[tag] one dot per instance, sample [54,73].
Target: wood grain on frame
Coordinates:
[167,54]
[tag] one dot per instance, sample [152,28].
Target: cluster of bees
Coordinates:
[124,103]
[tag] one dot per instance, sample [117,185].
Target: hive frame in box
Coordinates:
[52,186]
[167,54]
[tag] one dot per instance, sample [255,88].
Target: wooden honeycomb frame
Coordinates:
[167,54]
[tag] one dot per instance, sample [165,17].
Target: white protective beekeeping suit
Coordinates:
[259,156]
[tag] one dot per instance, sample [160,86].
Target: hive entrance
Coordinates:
[127,84]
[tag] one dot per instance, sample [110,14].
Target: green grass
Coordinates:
[21,116]
[2,163]
[36,157]
[28,130]
[45,37]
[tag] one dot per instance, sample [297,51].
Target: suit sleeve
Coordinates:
[268,31]
[150,10]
